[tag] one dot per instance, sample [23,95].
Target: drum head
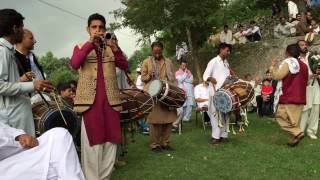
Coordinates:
[54,119]
[155,88]
[222,101]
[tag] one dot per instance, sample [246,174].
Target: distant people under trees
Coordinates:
[240,36]
[226,35]
[315,31]
[304,26]
[276,9]
[253,33]
[283,29]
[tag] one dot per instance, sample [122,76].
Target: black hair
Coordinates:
[63,86]
[157,44]
[96,16]
[74,82]
[8,19]
[247,75]
[268,71]
[223,46]
[183,61]
[282,17]
[225,26]
[293,50]
[264,80]
[252,22]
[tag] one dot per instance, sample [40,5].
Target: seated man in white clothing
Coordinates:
[201,95]
[51,156]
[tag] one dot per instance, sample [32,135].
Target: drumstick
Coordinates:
[42,97]
[220,125]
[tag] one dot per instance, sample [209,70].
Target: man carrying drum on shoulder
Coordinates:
[216,73]
[161,118]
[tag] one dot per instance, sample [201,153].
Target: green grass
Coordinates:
[259,153]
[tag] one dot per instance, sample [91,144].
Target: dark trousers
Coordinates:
[254,37]
[264,108]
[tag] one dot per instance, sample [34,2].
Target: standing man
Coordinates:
[292,10]
[161,118]
[293,77]
[216,73]
[27,62]
[310,114]
[98,99]
[185,80]
[15,105]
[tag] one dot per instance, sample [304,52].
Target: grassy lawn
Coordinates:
[259,153]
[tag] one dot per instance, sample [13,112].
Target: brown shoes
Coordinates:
[215,141]
[295,140]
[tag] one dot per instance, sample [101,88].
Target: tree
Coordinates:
[57,70]
[138,56]
[178,20]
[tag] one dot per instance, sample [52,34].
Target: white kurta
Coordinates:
[218,69]
[202,92]
[226,37]
[310,114]
[54,158]
[15,106]
[292,9]
[139,83]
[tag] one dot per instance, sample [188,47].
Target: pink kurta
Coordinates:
[101,121]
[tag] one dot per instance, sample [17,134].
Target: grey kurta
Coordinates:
[15,106]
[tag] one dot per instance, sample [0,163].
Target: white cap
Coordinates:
[138,69]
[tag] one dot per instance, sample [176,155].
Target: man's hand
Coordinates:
[96,39]
[43,85]
[28,76]
[27,141]
[212,80]
[112,44]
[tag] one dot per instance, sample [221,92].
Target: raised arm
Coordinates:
[80,54]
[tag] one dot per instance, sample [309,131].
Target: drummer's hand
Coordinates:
[27,141]
[27,76]
[43,85]
[212,80]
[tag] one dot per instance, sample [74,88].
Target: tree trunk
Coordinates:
[194,55]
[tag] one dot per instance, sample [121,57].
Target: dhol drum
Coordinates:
[136,104]
[233,96]
[167,94]
[48,117]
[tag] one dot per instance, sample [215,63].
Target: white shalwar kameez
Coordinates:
[55,157]
[218,69]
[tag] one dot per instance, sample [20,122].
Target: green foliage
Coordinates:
[138,56]
[57,70]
